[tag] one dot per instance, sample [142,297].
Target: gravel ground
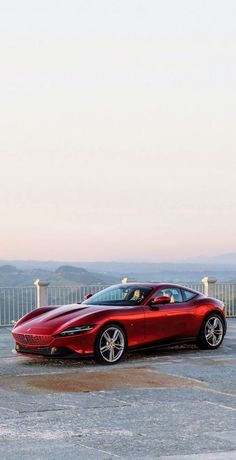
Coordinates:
[175,404]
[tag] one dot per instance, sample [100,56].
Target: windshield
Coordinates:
[120,295]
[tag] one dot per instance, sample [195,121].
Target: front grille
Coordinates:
[26,339]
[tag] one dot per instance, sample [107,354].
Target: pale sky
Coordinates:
[117,129]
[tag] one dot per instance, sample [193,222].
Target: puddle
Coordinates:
[87,381]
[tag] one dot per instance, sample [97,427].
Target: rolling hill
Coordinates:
[11,276]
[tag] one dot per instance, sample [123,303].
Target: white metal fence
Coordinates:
[227,293]
[16,302]
[223,291]
[69,294]
[196,286]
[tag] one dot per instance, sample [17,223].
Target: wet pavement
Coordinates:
[177,403]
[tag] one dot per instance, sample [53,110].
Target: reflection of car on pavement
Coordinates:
[120,318]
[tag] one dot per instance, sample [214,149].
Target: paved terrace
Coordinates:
[177,403]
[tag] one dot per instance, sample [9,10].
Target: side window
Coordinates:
[174,293]
[188,295]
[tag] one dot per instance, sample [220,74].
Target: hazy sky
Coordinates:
[117,129]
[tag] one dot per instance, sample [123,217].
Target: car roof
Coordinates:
[156,284]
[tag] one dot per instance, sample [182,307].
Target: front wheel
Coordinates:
[110,344]
[212,332]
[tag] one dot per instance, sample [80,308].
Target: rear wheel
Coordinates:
[212,332]
[110,344]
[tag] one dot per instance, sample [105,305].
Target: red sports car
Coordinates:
[122,317]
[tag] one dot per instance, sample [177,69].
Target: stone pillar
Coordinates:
[209,286]
[128,280]
[41,293]
[124,281]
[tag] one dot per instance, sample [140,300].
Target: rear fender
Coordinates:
[219,313]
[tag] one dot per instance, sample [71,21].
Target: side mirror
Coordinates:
[160,300]
[86,297]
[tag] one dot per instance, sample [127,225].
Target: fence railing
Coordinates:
[16,302]
[227,293]
[196,286]
[58,295]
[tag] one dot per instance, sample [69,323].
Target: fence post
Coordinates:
[209,286]
[41,293]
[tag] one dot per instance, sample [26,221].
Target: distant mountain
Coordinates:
[226,259]
[195,263]
[229,258]
[24,272]
[7,269]
[11,276]
[78,275]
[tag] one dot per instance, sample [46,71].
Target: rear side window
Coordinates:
[188,295]
[174,294]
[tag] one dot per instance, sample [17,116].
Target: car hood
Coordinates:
[54,319]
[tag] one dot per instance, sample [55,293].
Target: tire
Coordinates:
[110,344]
[212,332]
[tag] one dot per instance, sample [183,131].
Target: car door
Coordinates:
[169,322]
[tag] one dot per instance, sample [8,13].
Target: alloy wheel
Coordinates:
[214,331]
[112,344]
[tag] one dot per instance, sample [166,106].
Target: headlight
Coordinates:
[74,330]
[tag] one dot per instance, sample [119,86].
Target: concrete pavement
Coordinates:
[175,404]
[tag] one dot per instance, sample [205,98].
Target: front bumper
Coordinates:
[48,352]
[51,346]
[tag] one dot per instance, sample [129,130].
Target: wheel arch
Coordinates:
[117,323]
[217,312]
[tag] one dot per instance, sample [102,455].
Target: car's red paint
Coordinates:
[145,323]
